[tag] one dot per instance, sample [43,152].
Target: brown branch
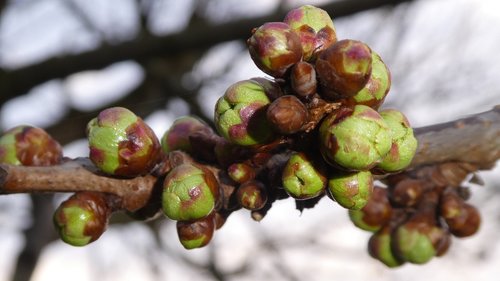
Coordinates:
[196,37]
[76,175]
[474,140]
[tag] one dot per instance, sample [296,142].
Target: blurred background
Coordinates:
[62,61]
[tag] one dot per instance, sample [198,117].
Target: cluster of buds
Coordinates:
[311,130]
[415,216]
[314,129]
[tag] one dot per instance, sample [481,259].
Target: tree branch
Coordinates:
[474,140]
[76,175]
[196,37]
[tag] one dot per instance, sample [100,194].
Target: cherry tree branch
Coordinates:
[472,140]
[76,175]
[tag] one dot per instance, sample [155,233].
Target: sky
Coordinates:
[443,51]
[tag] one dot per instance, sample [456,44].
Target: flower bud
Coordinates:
[404,144]
[302,177]
[177,136]
[463,219]
[303,79]
[82,218]
[189,193]
[314,27]
[419,239]
[375,214]
[240,172]
[287,114]
[29,146]
[252,195]
[379,247]
[344,67]
[351,190]
[407,192]
[274,48]
[121,143]
[416,242]
[354,138]
[197,233]
[240,114]
[376,89]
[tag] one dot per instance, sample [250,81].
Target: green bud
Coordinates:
[177,136]
[314,27]
[344,68]
[414,242]
[302,177]
[354,138]
[29,146]
[375,214]
[404,144]
[376,89]
[189,193]
[197,233]
[274,48]
[351,190]
[121,143]
[82,218]
[379,247]
[240,115]
[420,238]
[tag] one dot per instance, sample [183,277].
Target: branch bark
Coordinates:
[474,140]
[196,37]
[76,175]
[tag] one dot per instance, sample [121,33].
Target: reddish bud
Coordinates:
[303,79]
[287,114]
[274,47]
[196,234]
[252,195]
[344,68]
[29,146]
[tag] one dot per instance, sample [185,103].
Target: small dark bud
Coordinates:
[407,193]
[375,214]
[287,114]
[303,79]
[196,234]
[463,219]
[252,195]
[240,172]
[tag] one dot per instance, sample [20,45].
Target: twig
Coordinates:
[473,140]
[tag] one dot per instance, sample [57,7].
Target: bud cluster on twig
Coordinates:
[312,130]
